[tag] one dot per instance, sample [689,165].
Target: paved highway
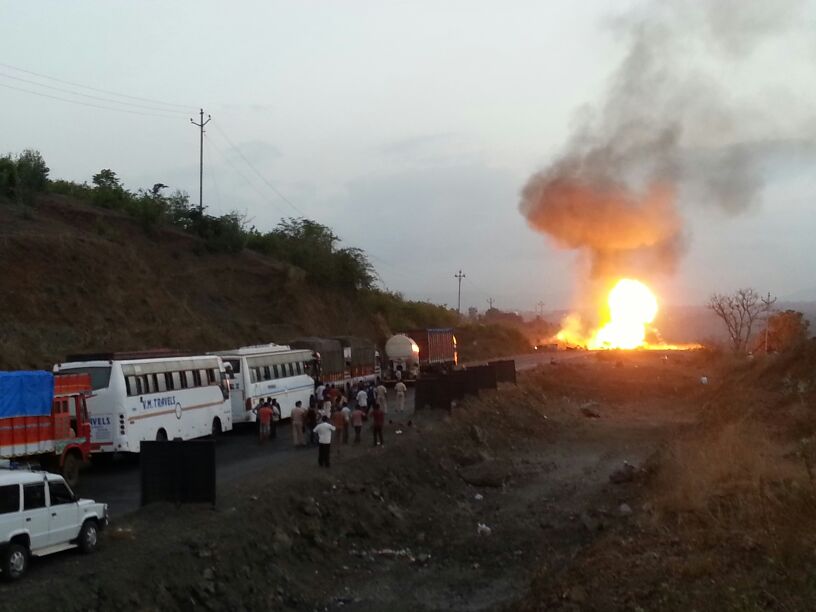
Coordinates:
[238,454]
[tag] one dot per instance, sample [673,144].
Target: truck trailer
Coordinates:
[437,348]
[44,420]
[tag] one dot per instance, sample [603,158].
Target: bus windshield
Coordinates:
[100,376]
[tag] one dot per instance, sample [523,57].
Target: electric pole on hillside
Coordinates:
[459,276]
[490,302]
[540,309]
[201,123]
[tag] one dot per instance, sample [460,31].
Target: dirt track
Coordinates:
[397,528]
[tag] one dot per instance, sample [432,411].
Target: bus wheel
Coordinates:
[161,436]
[216,428]
[70,469]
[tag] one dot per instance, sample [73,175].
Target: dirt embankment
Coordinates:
[457,512]
[725,519]
[77,278]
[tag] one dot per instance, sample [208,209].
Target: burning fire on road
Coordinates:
[626,322]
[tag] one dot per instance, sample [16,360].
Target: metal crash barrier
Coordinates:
[505,370]
[439,391]
[178,471]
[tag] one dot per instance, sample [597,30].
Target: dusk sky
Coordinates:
[410,128]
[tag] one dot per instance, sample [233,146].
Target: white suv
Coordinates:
[39,515]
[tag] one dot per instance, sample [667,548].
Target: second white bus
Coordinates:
[267,371]
[152,396]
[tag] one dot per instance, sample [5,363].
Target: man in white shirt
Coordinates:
[382,397]
[362,400]
[324,435]
[400,388]
[319,393]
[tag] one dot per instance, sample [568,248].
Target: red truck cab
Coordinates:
[71,428]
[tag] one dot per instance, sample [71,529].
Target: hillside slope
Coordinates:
[79,278]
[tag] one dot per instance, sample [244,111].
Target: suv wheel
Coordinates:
[88,536]
[14,561]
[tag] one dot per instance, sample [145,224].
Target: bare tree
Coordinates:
[740,312]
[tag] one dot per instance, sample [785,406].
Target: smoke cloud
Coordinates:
[670,125]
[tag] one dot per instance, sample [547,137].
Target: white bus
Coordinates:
[152,396]
[267,370]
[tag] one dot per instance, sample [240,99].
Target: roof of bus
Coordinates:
[127,355]
[101,361]
[260,349]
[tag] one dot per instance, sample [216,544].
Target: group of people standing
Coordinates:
[267,413]
[332,414]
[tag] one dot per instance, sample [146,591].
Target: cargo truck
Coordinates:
[44,420]
[362,359]
[437,348]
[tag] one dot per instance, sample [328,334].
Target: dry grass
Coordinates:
[739,484]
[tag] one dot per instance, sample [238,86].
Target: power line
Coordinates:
[255,170]
[214,180]
[87,104]
[106,91]
[90,96]
[264,197]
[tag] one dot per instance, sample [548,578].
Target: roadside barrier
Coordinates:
[178,471]
[439,391]
[505,370]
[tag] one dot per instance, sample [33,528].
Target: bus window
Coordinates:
[291,369]
[100,377]
[223,384]
[161,382]
[235,364]
[130,385]
[211,376]
[168,381]
[154,383]
[139,385]
[176,381]
[266,373]
[183,379]
[196,378]
[253,375]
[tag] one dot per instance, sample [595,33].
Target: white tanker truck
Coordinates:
[402,354]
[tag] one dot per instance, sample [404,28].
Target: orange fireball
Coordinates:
[632,307]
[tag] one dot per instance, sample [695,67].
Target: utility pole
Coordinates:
[490,302]
[459,277]
[540,309]
[201,123]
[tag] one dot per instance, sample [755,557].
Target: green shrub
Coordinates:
[32,173]
[8,178]
[80,191]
